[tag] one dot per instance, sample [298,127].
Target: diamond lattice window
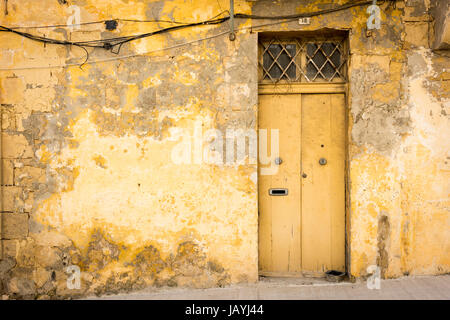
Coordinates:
[302,60]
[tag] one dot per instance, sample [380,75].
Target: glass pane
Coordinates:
[328,48]
[328,70]
[291,71]
[283,55]
[318,54]
[336,58]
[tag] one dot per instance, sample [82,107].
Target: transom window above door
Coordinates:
[302,60]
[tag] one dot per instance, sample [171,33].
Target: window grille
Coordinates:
[302,60]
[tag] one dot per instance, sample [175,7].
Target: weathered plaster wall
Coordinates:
[399,172]
[88,177]
[88,154]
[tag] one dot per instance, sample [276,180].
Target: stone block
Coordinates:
[6,57]
[10,248]
[11,198]
[6,265]
[8,119]
[7,172]
[416,35]
[15,146]
[12,90]
[48,238]
[14,225]
[26,176]
[41,276]
[48,257]
[39,99]
[21,286]
[14,41]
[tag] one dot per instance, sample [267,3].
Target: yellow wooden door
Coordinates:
[303,232]
[279,214]
[323,188]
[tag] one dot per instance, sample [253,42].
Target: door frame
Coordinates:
[314,88]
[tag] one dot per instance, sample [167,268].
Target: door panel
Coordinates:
[323,189]
[305,230]
[279,227]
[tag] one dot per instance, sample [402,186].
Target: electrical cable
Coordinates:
[94,22]
[110,44]
[104,21]
[152,51]
[120,57]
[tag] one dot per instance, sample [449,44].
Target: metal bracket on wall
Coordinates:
[232,35]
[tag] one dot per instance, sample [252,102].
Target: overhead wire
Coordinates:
[104,21]
[111,43]
[152,51]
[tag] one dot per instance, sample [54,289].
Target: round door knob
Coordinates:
[304,175]
[278,161]
[322,161]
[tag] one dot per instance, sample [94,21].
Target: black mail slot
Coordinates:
[278,192]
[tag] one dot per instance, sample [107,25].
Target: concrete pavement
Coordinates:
[411,288]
